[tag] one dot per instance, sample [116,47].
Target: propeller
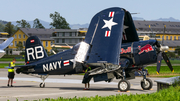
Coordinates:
[161,54]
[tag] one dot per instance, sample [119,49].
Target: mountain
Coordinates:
[44,23]
[167,19]
[77,26]
[3,22]
[160,19]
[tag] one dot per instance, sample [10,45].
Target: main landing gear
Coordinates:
[124,85]
[42,85]
[43,77]
[146,83]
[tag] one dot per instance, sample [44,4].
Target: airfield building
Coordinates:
[48,37]
[22,34]
[68,37]
[64,37]
[169,32]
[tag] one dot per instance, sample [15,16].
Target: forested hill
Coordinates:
[2,23]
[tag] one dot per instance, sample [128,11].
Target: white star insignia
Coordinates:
[109,23]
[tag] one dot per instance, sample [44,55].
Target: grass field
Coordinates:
[163,69]
[10,59]
[170,94]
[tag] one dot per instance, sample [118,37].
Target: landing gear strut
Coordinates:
[124,85]
[146,83]
[43,77]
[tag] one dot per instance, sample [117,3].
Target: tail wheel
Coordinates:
[124,85]
[42,85]
[148,85]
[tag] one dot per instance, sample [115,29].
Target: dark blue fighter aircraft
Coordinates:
[111,48]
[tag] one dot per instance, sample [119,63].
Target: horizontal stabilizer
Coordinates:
[25,66]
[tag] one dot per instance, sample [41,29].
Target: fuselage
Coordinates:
[58,64]
[140,52]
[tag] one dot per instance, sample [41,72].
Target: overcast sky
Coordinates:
[81,11]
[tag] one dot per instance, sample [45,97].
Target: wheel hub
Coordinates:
[147,84]
[123,85]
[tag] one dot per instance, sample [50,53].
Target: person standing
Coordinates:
[87,78]
[11,72]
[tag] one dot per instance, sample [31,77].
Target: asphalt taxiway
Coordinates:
[27,87]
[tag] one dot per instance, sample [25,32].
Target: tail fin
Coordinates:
[34,50]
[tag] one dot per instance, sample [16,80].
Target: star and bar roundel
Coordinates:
[109,24]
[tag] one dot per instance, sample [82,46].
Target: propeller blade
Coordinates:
[159,58]
[166,59]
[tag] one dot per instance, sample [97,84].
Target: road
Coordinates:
[27,87]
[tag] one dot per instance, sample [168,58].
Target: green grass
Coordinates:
[163,69]
[10,59]
[170,94]
[2,65]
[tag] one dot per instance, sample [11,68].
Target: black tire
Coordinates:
[147,86]
[124,85]
[42,85]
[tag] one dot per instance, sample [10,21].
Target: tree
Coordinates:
[58,21]
[1,27]
[171,54]
[23,24]
[9,28]
[19,46]
[177,50]
[37,24]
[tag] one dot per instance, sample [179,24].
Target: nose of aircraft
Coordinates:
[164,48]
